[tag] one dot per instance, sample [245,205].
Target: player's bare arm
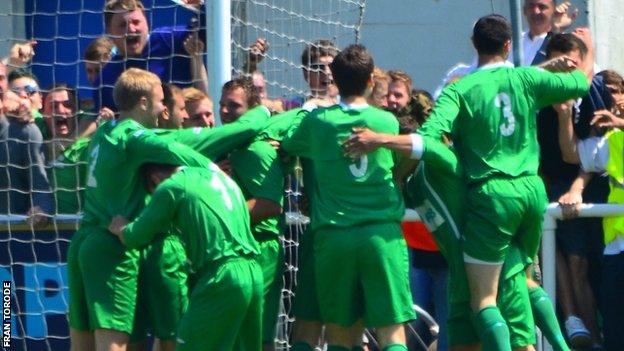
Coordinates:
[364,140]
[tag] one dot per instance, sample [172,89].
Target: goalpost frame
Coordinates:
[219,46]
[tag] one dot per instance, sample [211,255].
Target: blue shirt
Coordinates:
[163,55]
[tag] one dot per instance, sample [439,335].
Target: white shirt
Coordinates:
[530,47]
[593,153]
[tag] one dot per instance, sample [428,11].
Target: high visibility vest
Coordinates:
[614,226]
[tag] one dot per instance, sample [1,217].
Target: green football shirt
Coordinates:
[206,209]
[277,126]
[258,170]
[491,115]
[347,192]
[216,142]
[67,177]
[117,150]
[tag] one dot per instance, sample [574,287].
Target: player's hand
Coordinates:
[570,204]
[193,45]
[584,34]
[106,114]
[37,218]
[606,119]
[258,50]
[559,64]
[117,226]
[274,143]
[22,53]
[361,141]
[18,108]
[195,3]
[275,106]
[564,15]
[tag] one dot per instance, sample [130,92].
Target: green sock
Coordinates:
[395,347]
[546,318]
[301,346]
[336,348]
[492,329]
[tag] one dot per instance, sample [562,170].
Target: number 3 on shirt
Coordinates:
[509,122]
[359,171]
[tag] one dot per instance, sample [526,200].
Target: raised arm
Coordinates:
[195,47]
[567,138]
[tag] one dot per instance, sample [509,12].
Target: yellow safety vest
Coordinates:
[614,226]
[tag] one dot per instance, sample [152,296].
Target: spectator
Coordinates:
[379,95]
[600,154]
[59,115]
[544,20]
[199,109]
[175,108]
[615,84]
[24,185]
[160,51]
[67,154]
[578,240]
[399,90]
[97,54]
[25,85]
[315,60]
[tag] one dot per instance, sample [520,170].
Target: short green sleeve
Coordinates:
[443,115]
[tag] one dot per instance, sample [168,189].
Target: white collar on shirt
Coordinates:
[353,106]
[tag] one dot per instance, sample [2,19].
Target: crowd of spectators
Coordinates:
[44,135]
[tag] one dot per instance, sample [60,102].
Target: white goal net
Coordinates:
[33,262]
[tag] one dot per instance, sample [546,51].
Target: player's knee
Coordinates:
[338,335]
[392,334]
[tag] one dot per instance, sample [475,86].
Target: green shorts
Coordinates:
[78,310]
[225,308]
[271,260]
[502,209]
[163,292]
[305,304]
[110,275]
[362,272]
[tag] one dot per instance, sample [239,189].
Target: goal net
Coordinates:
[33,262]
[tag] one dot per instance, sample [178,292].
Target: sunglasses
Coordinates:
[29,89]
[319,67]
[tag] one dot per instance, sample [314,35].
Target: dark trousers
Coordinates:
[613,301]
